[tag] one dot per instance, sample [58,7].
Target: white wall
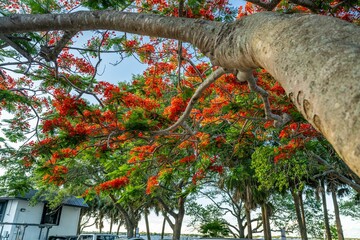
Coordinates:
[10,213]
[32,214]
[68,222]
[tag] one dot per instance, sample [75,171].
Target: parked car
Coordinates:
[97,236]
[62,238]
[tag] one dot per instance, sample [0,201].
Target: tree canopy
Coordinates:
[217,92]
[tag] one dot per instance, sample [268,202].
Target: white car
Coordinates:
[97,236]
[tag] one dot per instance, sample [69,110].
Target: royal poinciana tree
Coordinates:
[314,58]
[182,112]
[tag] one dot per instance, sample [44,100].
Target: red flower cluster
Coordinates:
[200,174]
[305,129]
[188,159]
[152,183]
[277,89]
[178,105]
[216,168]
[68,60]
[67,105]
[140,153]
[132,100]
[57,176]
[114,184]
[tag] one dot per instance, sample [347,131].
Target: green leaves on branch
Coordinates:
[106,4]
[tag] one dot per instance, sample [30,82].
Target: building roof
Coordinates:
[69,201]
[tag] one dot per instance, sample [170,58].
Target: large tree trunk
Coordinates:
[248,223]
[326,216]
[111,222]
[315,58]
[337,216]
[163,228]
[130,228]
[266,221]
[147,225]
[241,227]
[130,222]
[179,219]
[118,229]
[302,209]
[298,215]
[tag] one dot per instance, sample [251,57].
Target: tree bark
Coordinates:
[111,222]
[147,225]
[315,58]
[248,222]
[298,215]
[326,216]
[241,226]
[179,219]
[130,222]
[130,228]
[101,225]
[303,216]
[118,229]
[266,221]
[337,216]
[163,228]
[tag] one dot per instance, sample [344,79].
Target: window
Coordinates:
[51,216]
[2,210]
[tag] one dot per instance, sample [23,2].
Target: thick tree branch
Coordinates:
[335,173]
[166,208]
[137,23]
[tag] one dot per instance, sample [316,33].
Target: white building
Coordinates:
[20,221]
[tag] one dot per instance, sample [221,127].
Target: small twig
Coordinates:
[248,76]
[195,68]
[80,90]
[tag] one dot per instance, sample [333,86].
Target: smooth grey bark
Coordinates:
[148,234]
[302,209]
[299,216]
[178,216]
[163,228]
[266,221]
[314,58]
[129,219]
[248,223]
[118,229]
[337,215]
[111,222]
[326,215]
